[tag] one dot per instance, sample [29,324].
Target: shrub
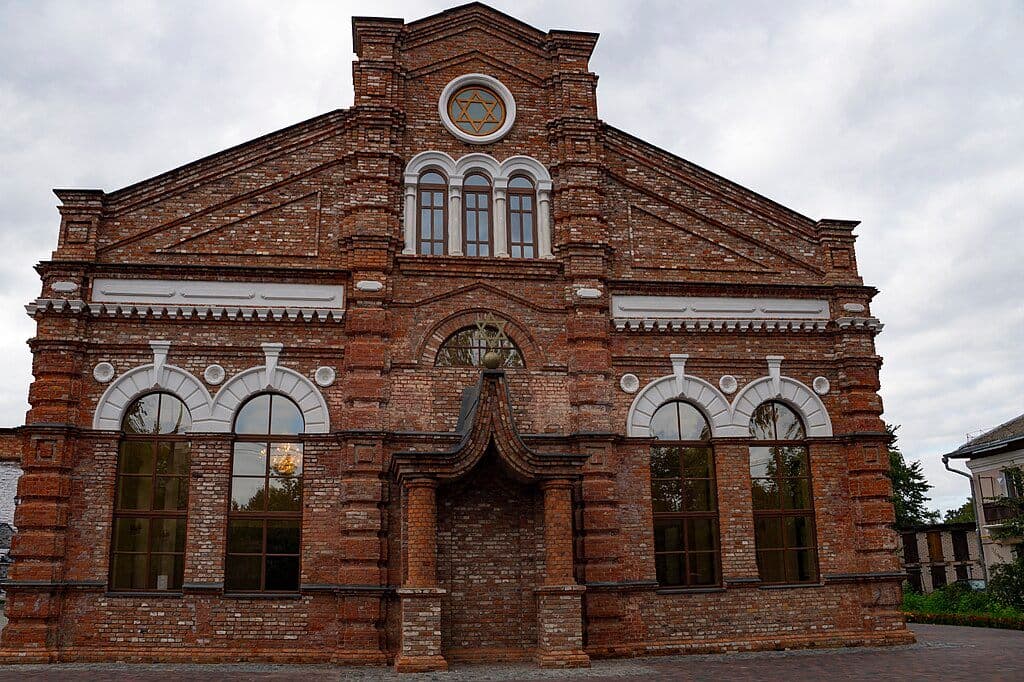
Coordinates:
[960,599]
[1007,584]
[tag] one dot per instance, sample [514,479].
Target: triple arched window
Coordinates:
[686,549]
[477,207]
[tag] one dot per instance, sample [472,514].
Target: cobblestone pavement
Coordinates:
[942,653]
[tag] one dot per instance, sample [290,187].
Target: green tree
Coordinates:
[962,514]
[909,488]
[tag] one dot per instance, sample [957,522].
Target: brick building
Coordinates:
[460,372]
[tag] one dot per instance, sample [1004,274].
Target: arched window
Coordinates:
[683,494]
[150,509]
[265,515]
[476,222]
[433,214]
[522,218]
[780,475]
[466,348]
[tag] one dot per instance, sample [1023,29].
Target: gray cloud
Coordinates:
[905,115]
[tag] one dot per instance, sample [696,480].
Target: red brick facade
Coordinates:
[517,523]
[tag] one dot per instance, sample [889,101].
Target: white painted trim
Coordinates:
[508,102]
[168,292]
[791,392]
[697,391]
[142,380]
[255,380]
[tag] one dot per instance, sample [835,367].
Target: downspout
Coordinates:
[977,515]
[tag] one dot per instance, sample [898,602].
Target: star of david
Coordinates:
[466,99]
[492,330]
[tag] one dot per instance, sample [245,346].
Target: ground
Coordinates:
[941,653]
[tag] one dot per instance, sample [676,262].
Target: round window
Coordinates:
[477,108]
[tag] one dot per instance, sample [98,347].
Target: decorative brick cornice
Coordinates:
[197,312]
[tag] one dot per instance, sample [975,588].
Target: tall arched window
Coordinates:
[686,552]
[476,222]
[522,214]
[433,214]
[466,348]
[150,510]
[265,515]
[780,475]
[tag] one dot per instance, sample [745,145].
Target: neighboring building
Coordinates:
[940,554]
[988,458]
[461,372]
[10,455]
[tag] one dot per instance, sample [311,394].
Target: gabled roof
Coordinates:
[1007,436]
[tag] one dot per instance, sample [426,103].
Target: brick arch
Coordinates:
[531,351]
[148,379]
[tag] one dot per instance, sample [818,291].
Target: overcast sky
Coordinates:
[906,115]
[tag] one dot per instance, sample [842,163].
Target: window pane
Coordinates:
[131,535]
[699,495]
[799,531]
[285,416]
[762,422]
[665,422]
[285,494]
[668,535]
[762,463]
[666,495]
[168,535]
[171,493]
[470,200]
[787,424]
[697,462]
[425,226]
[172,458]
[528,252]
[772,566]
[136,457]
[245,536]
[242,573]
[483,200]
[250,459]
[438,199]
[254,417]
[282,573]
[664,462]
[702,569]
[517,252]
[282,537]
[693,425]
[514,223]
[286,459]
[527,203]
[796,493]
[670,568]
[528,228]
[174,416]
[166,571]
[432,178]
[802,566]
[700,535]
[768,533]
[765,493]
[129,572]
[477,181]
[141,415]
[135,492]
[438,249]
[519,182]
[247,494]
[794,461]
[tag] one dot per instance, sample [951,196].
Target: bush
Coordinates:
[1007,584]
[960,599]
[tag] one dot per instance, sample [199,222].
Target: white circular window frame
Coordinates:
[486,81]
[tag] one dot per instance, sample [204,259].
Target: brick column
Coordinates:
[559,599]
[420,596]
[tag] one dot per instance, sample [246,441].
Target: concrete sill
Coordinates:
[262,595]
[689,590]
[789,586]
[156,594]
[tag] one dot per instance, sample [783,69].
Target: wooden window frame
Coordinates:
[429,188]
[781,513]
[265,516]
[150,515]
[477,191]
[533,213]
[684,516]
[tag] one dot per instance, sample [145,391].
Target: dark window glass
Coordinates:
[780,477]
[432,214]
[938,576]
[914,578]
[910,554]
[960,551]
[265,513]
[683,497]
[522,218]
[466,348]
[476,214]
[961,573]
[150,507]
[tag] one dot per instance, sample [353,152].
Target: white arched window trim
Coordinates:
[150,379]
[499,174]
[728,420]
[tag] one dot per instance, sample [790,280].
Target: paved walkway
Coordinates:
[942,653]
